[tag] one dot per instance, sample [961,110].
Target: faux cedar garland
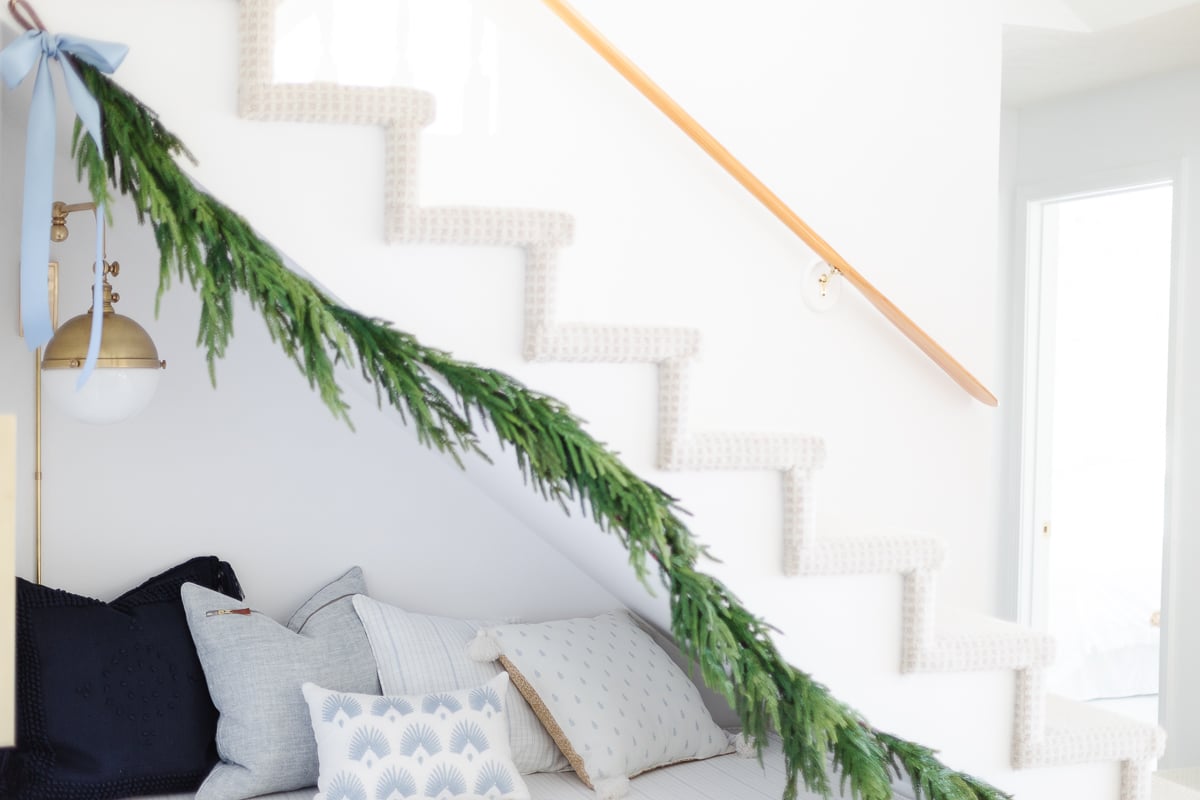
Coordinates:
[213,248]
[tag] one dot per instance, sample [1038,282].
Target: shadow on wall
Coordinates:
[257,471]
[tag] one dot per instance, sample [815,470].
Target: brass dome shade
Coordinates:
[127,368]
[124,343]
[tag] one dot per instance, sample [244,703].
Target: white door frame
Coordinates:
[1034,371]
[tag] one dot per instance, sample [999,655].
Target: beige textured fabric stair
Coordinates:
[1046,732]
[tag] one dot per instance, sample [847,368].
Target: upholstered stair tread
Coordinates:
[1079,733]
[880,554]
[737,450]
[969,642]
[610,343]
[1177,784]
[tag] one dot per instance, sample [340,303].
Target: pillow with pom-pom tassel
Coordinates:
[614,701]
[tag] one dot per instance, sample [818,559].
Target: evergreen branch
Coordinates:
[205,243]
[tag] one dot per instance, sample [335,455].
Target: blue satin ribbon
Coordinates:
[37,48]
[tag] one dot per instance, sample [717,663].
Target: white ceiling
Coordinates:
[1103,14]
[1056,47]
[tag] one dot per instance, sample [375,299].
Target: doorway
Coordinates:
[1095,453]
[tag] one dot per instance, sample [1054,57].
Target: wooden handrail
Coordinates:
[655,94]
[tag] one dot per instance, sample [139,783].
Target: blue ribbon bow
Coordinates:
[37,48]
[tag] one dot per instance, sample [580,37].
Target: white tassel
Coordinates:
[612,788]
[744,746]
[484,647]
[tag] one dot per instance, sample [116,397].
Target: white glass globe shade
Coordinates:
[126,373]
[111,394]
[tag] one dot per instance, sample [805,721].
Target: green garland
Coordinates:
[209,245]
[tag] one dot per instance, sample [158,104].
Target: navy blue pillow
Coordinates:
[111,698]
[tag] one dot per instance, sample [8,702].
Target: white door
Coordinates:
[1094,458]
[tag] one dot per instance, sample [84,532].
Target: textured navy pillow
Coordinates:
[111,698]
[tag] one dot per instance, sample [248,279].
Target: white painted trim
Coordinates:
[1101,182]
[1171,677]
[1032,201]
[1028,561]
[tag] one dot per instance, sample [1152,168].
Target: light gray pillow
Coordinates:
[255,668]
[614,701]
[418,653]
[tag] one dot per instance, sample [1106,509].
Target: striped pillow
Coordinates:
[417,653]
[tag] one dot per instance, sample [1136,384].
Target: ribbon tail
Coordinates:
[86,107]
[35,215]
[94,341]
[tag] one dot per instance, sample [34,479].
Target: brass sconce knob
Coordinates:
[58,222]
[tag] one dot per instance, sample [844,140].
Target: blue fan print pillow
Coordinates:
[440,745]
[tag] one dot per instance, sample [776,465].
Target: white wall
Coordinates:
[892,157]
[1084,142]
[1008,440]
[1054,14]
[878,122]
[256,471]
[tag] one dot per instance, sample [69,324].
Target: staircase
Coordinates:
[1047,731]
[1083,746]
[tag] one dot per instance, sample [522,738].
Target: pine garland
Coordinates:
[207,244]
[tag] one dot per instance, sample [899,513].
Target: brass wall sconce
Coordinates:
[126,373]
[128,368]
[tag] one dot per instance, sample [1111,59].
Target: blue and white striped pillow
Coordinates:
[418,653]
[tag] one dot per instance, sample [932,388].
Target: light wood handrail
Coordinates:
[655,94]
